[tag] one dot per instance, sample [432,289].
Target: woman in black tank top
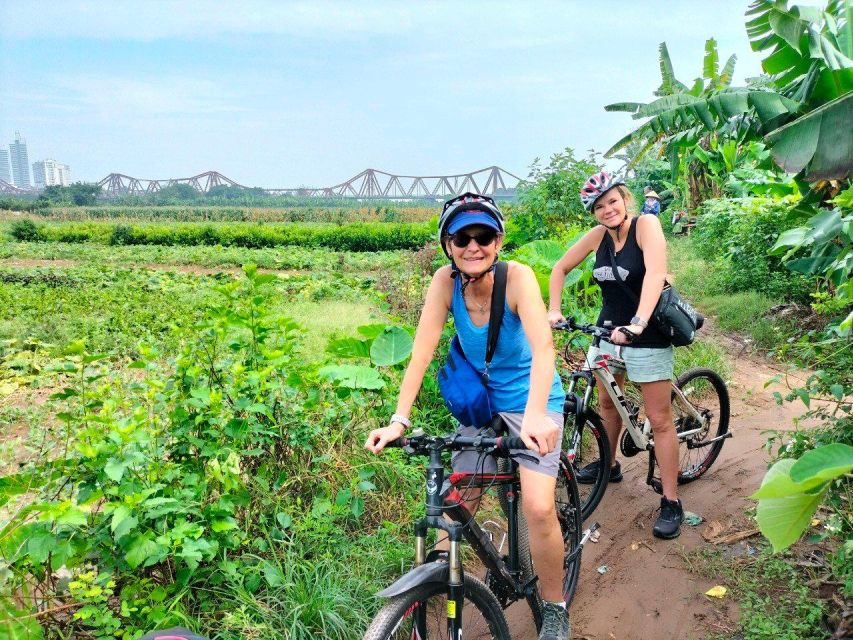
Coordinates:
[638,248]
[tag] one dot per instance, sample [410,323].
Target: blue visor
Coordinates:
[468,218]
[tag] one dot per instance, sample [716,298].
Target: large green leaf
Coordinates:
[391,346]
[821,141]
[783,520]
[784,508]
[711,63]
[540,255]
[353,376]
[349,348]
[777,482]
[16,624]
[823,463]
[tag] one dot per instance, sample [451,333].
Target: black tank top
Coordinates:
[618,307]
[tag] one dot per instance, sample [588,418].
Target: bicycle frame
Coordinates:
[464,526]
[597,364]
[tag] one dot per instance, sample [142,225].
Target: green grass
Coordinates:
[114,310]
[743,312]
[774,600]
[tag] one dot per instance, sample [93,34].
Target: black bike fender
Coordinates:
[429,572]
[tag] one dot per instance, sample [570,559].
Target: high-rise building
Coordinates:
[5,171]
[47,173]
[20,162]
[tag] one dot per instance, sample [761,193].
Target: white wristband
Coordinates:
[403,420]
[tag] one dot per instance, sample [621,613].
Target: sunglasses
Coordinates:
[484,238]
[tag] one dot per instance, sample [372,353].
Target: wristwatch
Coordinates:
[403,420]
[637,320]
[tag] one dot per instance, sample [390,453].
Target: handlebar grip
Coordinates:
[511,442]
[398,443]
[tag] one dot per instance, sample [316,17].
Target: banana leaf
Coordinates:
[820,142]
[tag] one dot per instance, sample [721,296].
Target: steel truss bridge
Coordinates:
[370,183]
[10,189]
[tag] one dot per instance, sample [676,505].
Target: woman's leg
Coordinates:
[609,415]
[657,397]
[546,541]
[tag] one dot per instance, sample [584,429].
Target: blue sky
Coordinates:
[286,94]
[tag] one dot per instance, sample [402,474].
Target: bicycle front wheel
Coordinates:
[569,513]
[586,444]
[426,605]
[706,392]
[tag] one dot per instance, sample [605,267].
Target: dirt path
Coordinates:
[647,592]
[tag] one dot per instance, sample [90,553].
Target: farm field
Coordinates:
[192,415]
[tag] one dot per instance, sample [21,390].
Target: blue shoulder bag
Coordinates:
[462,386]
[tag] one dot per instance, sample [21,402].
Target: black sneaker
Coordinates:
[555,622]
[668,524]
[589,474]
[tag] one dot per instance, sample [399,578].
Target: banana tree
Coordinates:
[804,110]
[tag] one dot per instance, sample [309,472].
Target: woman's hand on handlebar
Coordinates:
[555,317]
[378,438]
[618,336]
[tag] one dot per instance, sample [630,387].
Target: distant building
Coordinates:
[47,173]
[5,171]
[20,162]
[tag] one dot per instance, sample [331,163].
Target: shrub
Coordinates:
[25,230]
[350,237]
[737,234]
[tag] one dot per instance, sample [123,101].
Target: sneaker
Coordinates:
[589,474]
[668,524]
[555,622]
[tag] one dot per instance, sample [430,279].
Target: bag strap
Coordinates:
[497,314]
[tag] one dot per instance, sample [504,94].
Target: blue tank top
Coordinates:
[509,373]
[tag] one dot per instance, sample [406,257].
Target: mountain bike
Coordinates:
[700,408]
[438,598]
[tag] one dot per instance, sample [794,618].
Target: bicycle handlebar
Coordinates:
[589,329]
[602,333]
[422,444]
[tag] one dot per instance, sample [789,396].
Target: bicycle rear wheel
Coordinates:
[706,392]
[586,443]
[482,616]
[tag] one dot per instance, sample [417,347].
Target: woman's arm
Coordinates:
[537,430]
[430,325]
[572,258]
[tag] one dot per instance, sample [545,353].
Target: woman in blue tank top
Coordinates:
[523,383]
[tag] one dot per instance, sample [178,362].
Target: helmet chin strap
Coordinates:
[618,227]
[466,279]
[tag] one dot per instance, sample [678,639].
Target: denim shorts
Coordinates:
[469,461]
[643,364]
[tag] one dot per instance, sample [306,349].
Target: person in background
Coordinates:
[652,202]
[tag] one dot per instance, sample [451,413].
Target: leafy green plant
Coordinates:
[25,230]
[792,490]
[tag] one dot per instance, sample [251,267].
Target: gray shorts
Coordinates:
[643,364]
[470,462]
